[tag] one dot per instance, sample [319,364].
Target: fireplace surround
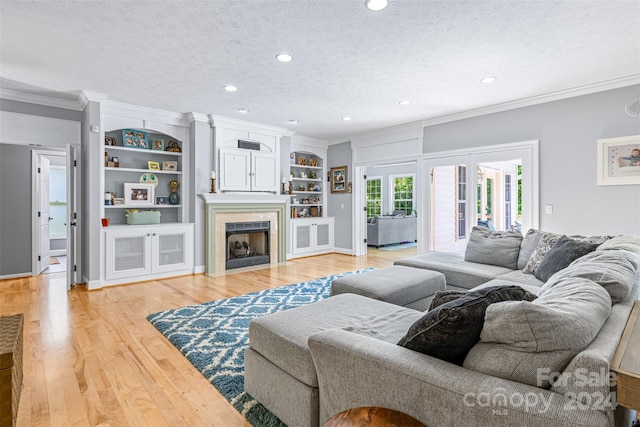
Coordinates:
[247,207]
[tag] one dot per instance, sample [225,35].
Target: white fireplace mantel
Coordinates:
[243,207]
[252,198]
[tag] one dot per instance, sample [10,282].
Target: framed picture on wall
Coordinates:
[338,179]
[619,161]
[136,194]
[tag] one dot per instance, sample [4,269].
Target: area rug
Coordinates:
[398,246]
[214,335]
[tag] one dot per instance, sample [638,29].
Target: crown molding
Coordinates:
[536,100]
[197,117]
[231,123]
[49,101]
[310,141]
[87,96]
[144,113]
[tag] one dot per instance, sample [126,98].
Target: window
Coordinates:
[374,197]
[461,200]
[402,193]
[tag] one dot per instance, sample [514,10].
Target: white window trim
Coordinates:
[373,178]
[391,193]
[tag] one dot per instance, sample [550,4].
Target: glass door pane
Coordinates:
[171,249]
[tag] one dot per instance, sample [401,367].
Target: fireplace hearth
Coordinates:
[247,244]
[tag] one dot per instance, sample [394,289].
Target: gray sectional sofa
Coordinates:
[387,230]
[539,363]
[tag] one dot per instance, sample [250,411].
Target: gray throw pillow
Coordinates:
[564,252]
[442,297]
[499,248]
[450,330]
[544,246]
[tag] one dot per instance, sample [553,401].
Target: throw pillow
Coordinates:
[451,329]
[544,246]
[499,248]
[442,297]
[563,253]
[529,243]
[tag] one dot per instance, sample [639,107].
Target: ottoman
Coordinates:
[405,286]
[279,370]
[10,368]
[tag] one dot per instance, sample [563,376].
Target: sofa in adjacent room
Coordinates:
[567,303]
[390,229]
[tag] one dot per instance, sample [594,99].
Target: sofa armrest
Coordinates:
[355,370]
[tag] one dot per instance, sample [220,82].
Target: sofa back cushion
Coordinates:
[451,329]
[499,248]
[625,242]
[547,332]
[615,270]
[529,244]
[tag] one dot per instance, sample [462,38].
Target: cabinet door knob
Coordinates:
[148,234]
[154,234]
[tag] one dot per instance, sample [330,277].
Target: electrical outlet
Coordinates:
[549,209]
[341,205]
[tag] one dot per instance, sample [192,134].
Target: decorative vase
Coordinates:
[174,197]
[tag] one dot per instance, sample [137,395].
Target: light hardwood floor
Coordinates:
[92,358]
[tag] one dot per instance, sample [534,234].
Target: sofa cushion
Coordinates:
[457,271]
[627,242]
[517,276]
[281,337]
[529,243]
[545,244]
[564,252]
[548,332]
[499,248]
[615,270]
[451,329]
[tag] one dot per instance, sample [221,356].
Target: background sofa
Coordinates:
[387,230]
[356,360]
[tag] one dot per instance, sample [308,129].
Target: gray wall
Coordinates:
[567,131]
[202,163]
[340,205]
[15,209]
[15,186]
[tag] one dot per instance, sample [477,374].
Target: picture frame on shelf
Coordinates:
[157,144]
[110,141]
[153,165]
[162,200]
[619,161]
[118,201]
[136,194]
[338,178]
[169,165]
[133,138]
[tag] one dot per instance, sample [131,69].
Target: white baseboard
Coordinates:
[198,269]
[343,251]
[15,276]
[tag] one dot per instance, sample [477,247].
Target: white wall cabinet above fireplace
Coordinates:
[247,170]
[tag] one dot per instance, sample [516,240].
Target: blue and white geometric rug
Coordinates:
[214,335]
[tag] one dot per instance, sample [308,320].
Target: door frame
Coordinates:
[72,155]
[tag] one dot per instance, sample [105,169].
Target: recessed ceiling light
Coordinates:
[346,118]
[284,57]
[375,4]
[243,110]
[488,80]
[404,102]
[230,88]
[293,121]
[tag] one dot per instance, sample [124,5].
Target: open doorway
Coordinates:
[53,195]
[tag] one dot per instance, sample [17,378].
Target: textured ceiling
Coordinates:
[177,55]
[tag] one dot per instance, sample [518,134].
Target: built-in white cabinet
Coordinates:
[311,235]
[134,251]
[247,170]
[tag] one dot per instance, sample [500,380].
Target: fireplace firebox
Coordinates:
[247,244]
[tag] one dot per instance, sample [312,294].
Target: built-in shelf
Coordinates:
[305,167]
[142,150]
[108,169]
[141,207]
